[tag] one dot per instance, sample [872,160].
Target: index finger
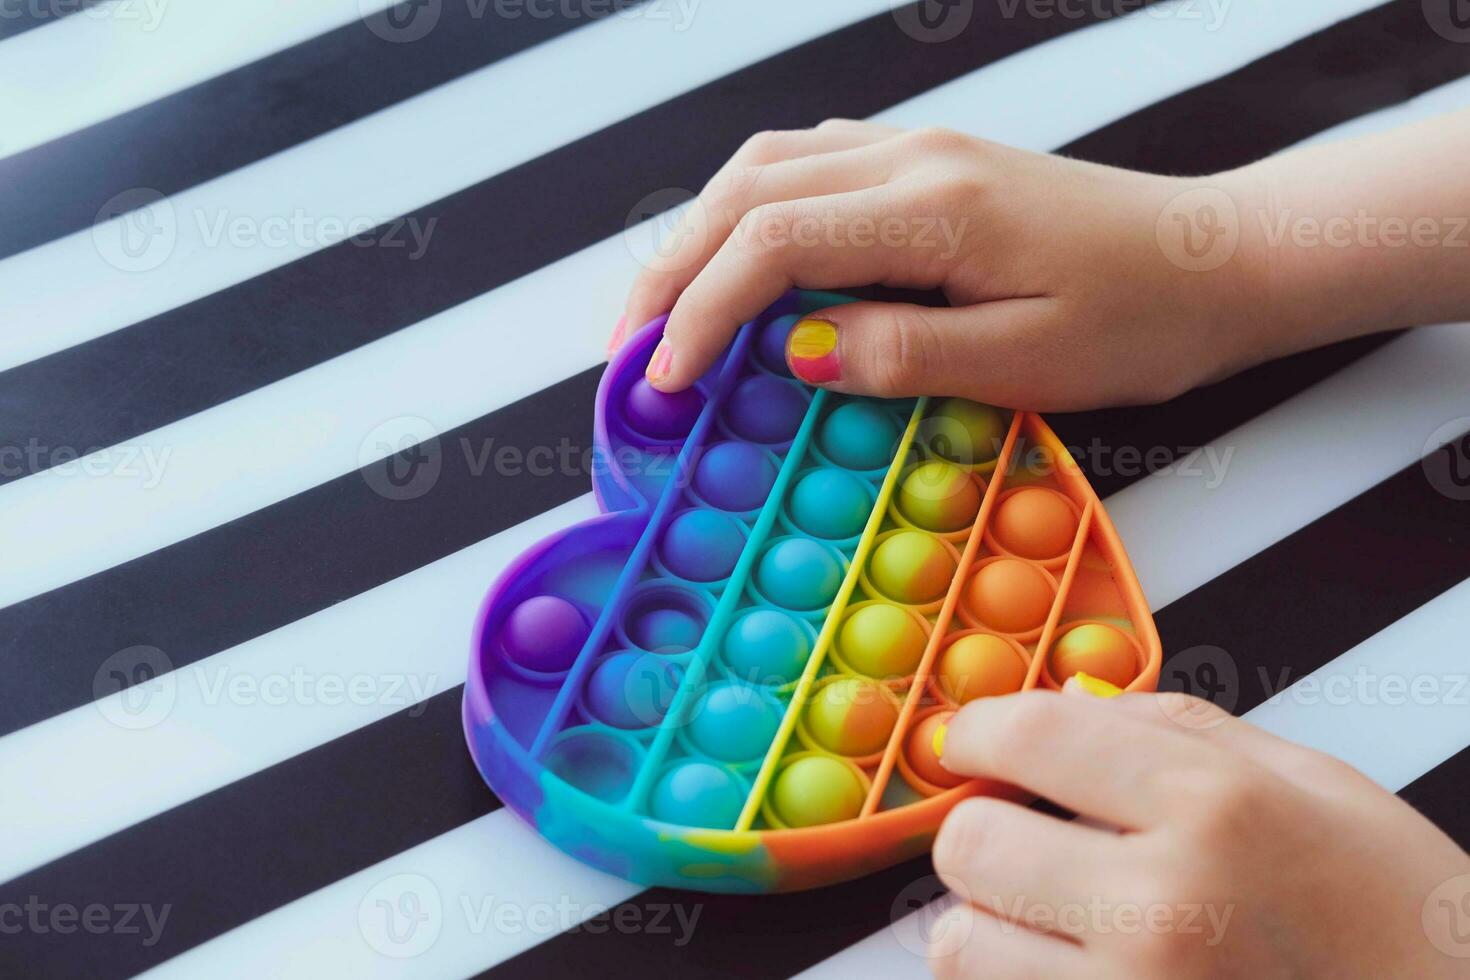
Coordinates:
[1083,754]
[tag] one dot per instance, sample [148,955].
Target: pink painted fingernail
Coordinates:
[663,361]
[616,340]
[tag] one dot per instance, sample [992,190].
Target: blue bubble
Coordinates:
[771,347]
[632,689]
[735,476]
[702,545]
[765,409]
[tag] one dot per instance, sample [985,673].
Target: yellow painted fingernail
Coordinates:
[1096,686]
[662,362]
[811,351]
[938,742]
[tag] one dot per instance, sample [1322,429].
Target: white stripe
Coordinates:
[107,765]
[105,60]
[277,441]
[389,163]
[1390,735]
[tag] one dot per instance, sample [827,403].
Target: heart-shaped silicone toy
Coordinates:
[731,679]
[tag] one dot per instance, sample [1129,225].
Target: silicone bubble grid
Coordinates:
[731,679]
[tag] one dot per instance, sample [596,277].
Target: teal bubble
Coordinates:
[829,503]
[766,646]
[734,722]
[859,435]
[695,793]
[799,573]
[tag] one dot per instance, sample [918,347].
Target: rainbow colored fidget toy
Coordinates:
[731,679]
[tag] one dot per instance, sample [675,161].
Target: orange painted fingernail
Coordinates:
[663,361]
[811,351]
[616,340]
[1096,686]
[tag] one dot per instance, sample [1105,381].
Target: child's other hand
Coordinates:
[1062,295]
[1254,857]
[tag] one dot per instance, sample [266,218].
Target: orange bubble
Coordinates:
[1010,595]
[1096,649]
[852,716]
[1035,523]
[919,751]
[980,665]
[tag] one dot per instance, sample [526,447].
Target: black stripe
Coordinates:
[253,845]
[286,320]
[178,141]
[1440,795]
[1279,615]
[19,16]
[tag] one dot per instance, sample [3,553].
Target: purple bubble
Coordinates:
[545,633]
[661,415]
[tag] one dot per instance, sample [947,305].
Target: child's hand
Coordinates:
[1283,861]
[1072,285]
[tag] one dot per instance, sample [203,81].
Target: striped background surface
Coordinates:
[233,641]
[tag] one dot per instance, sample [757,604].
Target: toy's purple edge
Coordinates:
[634,348]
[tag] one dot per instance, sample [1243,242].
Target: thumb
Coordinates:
[896,350]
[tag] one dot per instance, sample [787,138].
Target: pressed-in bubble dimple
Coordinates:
[735,476]
[765,409]
[596,762]
[702,545]
[544,633]
[829,503]
[859,436]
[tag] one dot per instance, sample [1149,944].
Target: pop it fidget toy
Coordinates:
[731,679]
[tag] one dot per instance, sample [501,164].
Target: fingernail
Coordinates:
[811,351]
[663,360]
[1096,686]
[938,742]
[616,340]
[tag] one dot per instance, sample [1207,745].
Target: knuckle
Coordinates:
[939,139]
[964,838]
[836,122]
[1199,713]
[765,146]
[903,352]
[1029,719]
[724,198]
[765,228]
